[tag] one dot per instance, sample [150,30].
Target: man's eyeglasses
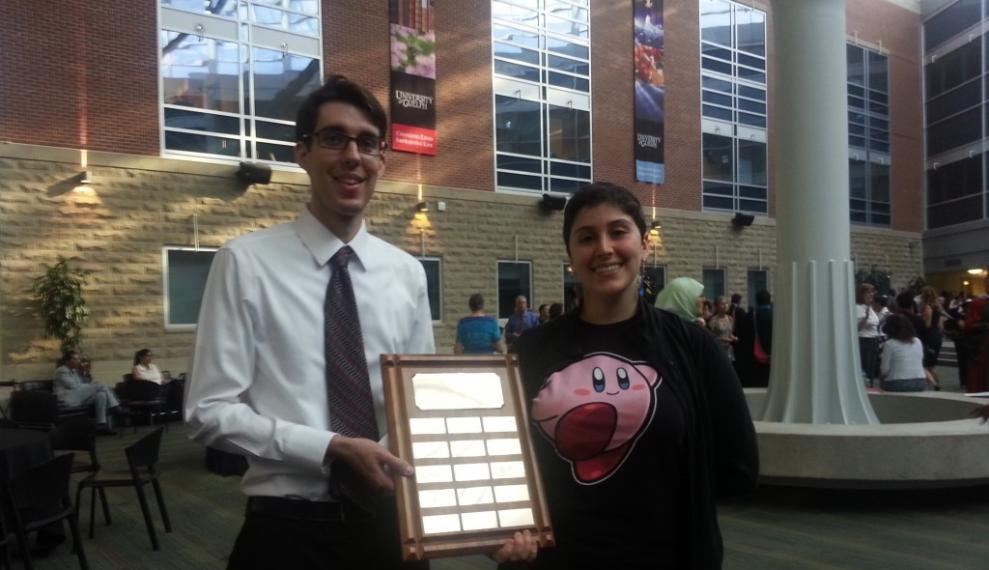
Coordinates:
[335,139]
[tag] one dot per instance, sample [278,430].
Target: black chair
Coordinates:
[79,435]
[12,384]
[39,497]
[36,385]
[174,393]
[34,405]
[141,459]
[142,398]
[33,409]
[5,541]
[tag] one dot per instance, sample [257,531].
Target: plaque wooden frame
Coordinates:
[397,372]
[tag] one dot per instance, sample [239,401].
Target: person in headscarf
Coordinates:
[683,297]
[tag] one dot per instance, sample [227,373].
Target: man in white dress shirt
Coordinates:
[258,385]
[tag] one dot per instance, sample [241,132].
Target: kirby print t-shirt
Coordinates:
[609,434]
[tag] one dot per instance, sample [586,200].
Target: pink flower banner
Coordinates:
[413,76]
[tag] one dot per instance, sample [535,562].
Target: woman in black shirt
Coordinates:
[641,420]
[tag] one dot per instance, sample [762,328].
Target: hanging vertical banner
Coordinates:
[650,85]
[413,76]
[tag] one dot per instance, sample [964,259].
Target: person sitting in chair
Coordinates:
[144,369]
[71,390]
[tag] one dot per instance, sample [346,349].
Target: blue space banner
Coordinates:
[649,89]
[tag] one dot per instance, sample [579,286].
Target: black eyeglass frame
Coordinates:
[379,149]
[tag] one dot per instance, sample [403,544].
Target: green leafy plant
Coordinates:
[58,291]
[878,278]
[916,284]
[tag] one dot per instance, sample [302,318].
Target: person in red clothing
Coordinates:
[976,337]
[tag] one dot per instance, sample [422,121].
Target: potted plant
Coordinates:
[878,278]
[58,291]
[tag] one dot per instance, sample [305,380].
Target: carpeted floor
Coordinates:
[774,529]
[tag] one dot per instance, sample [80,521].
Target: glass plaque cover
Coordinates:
[463,424]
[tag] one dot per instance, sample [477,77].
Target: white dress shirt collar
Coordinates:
[324,244]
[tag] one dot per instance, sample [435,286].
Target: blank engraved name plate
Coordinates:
[458,391]
[462,422]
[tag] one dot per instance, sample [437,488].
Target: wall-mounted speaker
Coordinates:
[251,173]
[741,220]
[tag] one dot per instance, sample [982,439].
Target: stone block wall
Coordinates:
[117,227]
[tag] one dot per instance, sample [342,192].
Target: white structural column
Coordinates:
[815,376]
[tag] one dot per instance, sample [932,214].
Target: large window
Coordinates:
[714,283]
[571,289]
[868,136]
[956,85]
[954,192]
[434,285]
[954,19]
[234,73]
[733,107]
[653,281]
[514,279]
[542,85]
[757,280]
[185,272]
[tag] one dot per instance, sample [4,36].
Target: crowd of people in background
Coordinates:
[744,336]
[901,336]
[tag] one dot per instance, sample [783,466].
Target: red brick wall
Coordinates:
[84,73]
[612,91]
[356,37]
[77,73]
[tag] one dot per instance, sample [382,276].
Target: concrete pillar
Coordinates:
[816,377]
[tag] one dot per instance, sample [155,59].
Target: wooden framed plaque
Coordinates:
[463,422]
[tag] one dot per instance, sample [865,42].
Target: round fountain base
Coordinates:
[924,440]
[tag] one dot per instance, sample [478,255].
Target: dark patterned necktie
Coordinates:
[347,384]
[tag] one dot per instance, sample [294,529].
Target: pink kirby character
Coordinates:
[594,411]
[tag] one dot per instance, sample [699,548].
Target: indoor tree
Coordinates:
[58,292]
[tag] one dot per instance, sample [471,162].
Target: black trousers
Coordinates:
[282,541]
[869,353]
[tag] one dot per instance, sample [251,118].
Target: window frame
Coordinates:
[543,93]
[735,130]
[566,267]
[869,156]
[259,36]
[750,293]
[724,282]
[660,267]
[528,296]
[439,283]
[166,301]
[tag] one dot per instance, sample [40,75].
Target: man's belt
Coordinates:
[299,509]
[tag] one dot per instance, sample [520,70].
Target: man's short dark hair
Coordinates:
[762,297]
[339,89]
[602,193]
[736,298]
[476,302]
[67,356]
[904,302]
[555,310]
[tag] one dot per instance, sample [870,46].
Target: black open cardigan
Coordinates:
[721,459]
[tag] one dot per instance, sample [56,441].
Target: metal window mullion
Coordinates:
[544,129]
[247,122]
[514,24]
[508,59]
